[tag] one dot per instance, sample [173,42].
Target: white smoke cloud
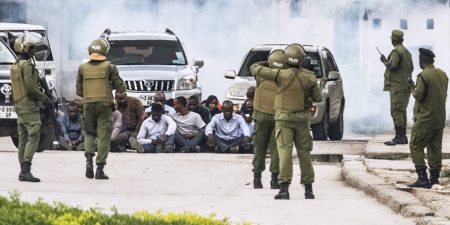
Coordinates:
[221,32]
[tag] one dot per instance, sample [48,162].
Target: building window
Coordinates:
[404,24]
[376,24]
[295,8]
[430,24]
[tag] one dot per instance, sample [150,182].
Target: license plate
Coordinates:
[146,100]
[7,112]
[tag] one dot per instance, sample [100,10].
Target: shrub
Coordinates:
[13,211]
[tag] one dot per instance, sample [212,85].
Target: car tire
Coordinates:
[337,129]
[320,130]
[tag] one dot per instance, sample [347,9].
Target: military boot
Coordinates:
[25,173]
[89,166]
[422,181]
[396,139]
[309,191]
[403,139]
[257,184]
[99,174]
[434,176]
[284,191]
[274,181]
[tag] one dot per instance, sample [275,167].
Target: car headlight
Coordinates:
[50,82]
[188,82]
[237,91]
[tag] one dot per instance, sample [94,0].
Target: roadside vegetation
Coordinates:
[13,211]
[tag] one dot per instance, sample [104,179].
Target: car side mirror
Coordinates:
[334,75]
[199,63]
[230,74]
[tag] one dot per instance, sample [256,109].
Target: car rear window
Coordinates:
[146,52]
[312,62]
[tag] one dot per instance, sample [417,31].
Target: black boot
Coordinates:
[89,166]
[99,174]
[403,139]
[274,181]
[422,181]
[257,184]
[396,139]
[434,176]
[25,174]
[284,191]
[309,191]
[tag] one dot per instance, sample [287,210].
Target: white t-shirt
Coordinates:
[189,123]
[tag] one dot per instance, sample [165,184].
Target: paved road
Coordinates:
[201,183]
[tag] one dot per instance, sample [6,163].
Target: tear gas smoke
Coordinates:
[221,32]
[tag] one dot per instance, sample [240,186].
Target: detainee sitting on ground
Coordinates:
[70,127]
[157,132]
[119,135]
[190,127]
[224,132]
[194,106]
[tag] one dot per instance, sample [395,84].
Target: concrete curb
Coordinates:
[355,174]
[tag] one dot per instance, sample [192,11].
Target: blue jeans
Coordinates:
[181,141]
[225,145]
[151,148]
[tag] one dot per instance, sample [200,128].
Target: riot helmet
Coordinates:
[100,46]
[30,43]
[277,59]
[295,54]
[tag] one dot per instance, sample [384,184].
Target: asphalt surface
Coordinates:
[202,183]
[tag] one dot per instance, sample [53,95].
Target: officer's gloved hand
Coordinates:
[210,140]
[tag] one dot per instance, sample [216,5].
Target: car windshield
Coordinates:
[312,62]
[146,52]
[6,57]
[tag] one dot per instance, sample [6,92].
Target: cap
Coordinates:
[426,52]
[397,34]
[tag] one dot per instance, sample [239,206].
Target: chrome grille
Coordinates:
[149,85]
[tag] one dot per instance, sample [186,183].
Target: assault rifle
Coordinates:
[52,109]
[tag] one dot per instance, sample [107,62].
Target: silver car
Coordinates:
[327,116]
[150,62]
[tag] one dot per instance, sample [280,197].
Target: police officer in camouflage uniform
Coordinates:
[430,93]
[95,81]
[264,117]
[27,97]
[292,118]
[399,67]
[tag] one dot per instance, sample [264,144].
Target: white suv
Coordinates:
[150,62]
[327,116]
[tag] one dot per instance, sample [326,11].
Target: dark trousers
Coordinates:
[151,148]
[224,145]
[181,141]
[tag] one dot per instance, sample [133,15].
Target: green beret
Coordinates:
[397,34]
[426,52]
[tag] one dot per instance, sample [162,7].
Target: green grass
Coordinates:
[14,211]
